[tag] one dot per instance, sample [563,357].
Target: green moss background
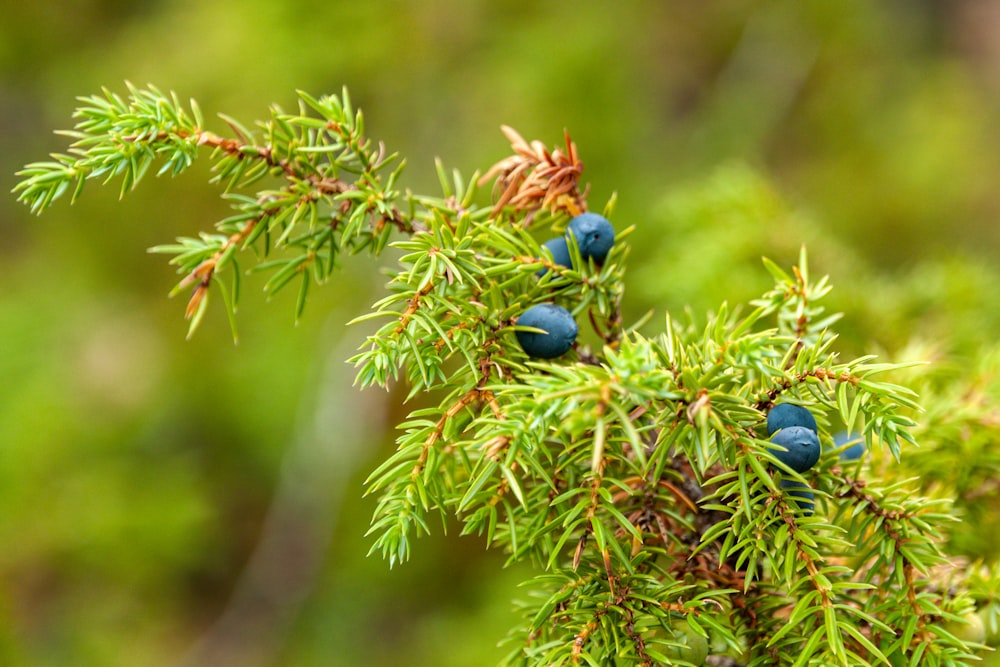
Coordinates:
[172,502]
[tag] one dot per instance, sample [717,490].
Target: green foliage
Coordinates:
[334,191]
[634,474]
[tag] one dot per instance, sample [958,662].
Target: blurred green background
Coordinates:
[172,502]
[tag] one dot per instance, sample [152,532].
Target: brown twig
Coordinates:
[535,178]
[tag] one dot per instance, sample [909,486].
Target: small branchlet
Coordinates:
[331,189]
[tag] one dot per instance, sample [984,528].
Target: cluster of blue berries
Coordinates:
[594,236]
[794,428]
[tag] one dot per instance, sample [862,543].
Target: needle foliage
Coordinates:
[634,473]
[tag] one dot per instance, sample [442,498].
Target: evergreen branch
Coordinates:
[638,475]
[122,137]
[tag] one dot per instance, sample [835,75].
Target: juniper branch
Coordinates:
[634,474]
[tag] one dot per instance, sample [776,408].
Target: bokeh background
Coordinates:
[173,502]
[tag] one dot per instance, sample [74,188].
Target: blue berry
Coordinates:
[801,447]
[784,415]
[594,235]
[801,493]
[852,453]
[559,250]
[559,324]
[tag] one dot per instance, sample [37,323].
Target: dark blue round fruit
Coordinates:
[801,494]
[784,415]
[801,447]
[558,324]
[852,453]
[594,235]
[559,250]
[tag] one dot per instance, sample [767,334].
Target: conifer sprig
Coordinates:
[634,473]
[330,189]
